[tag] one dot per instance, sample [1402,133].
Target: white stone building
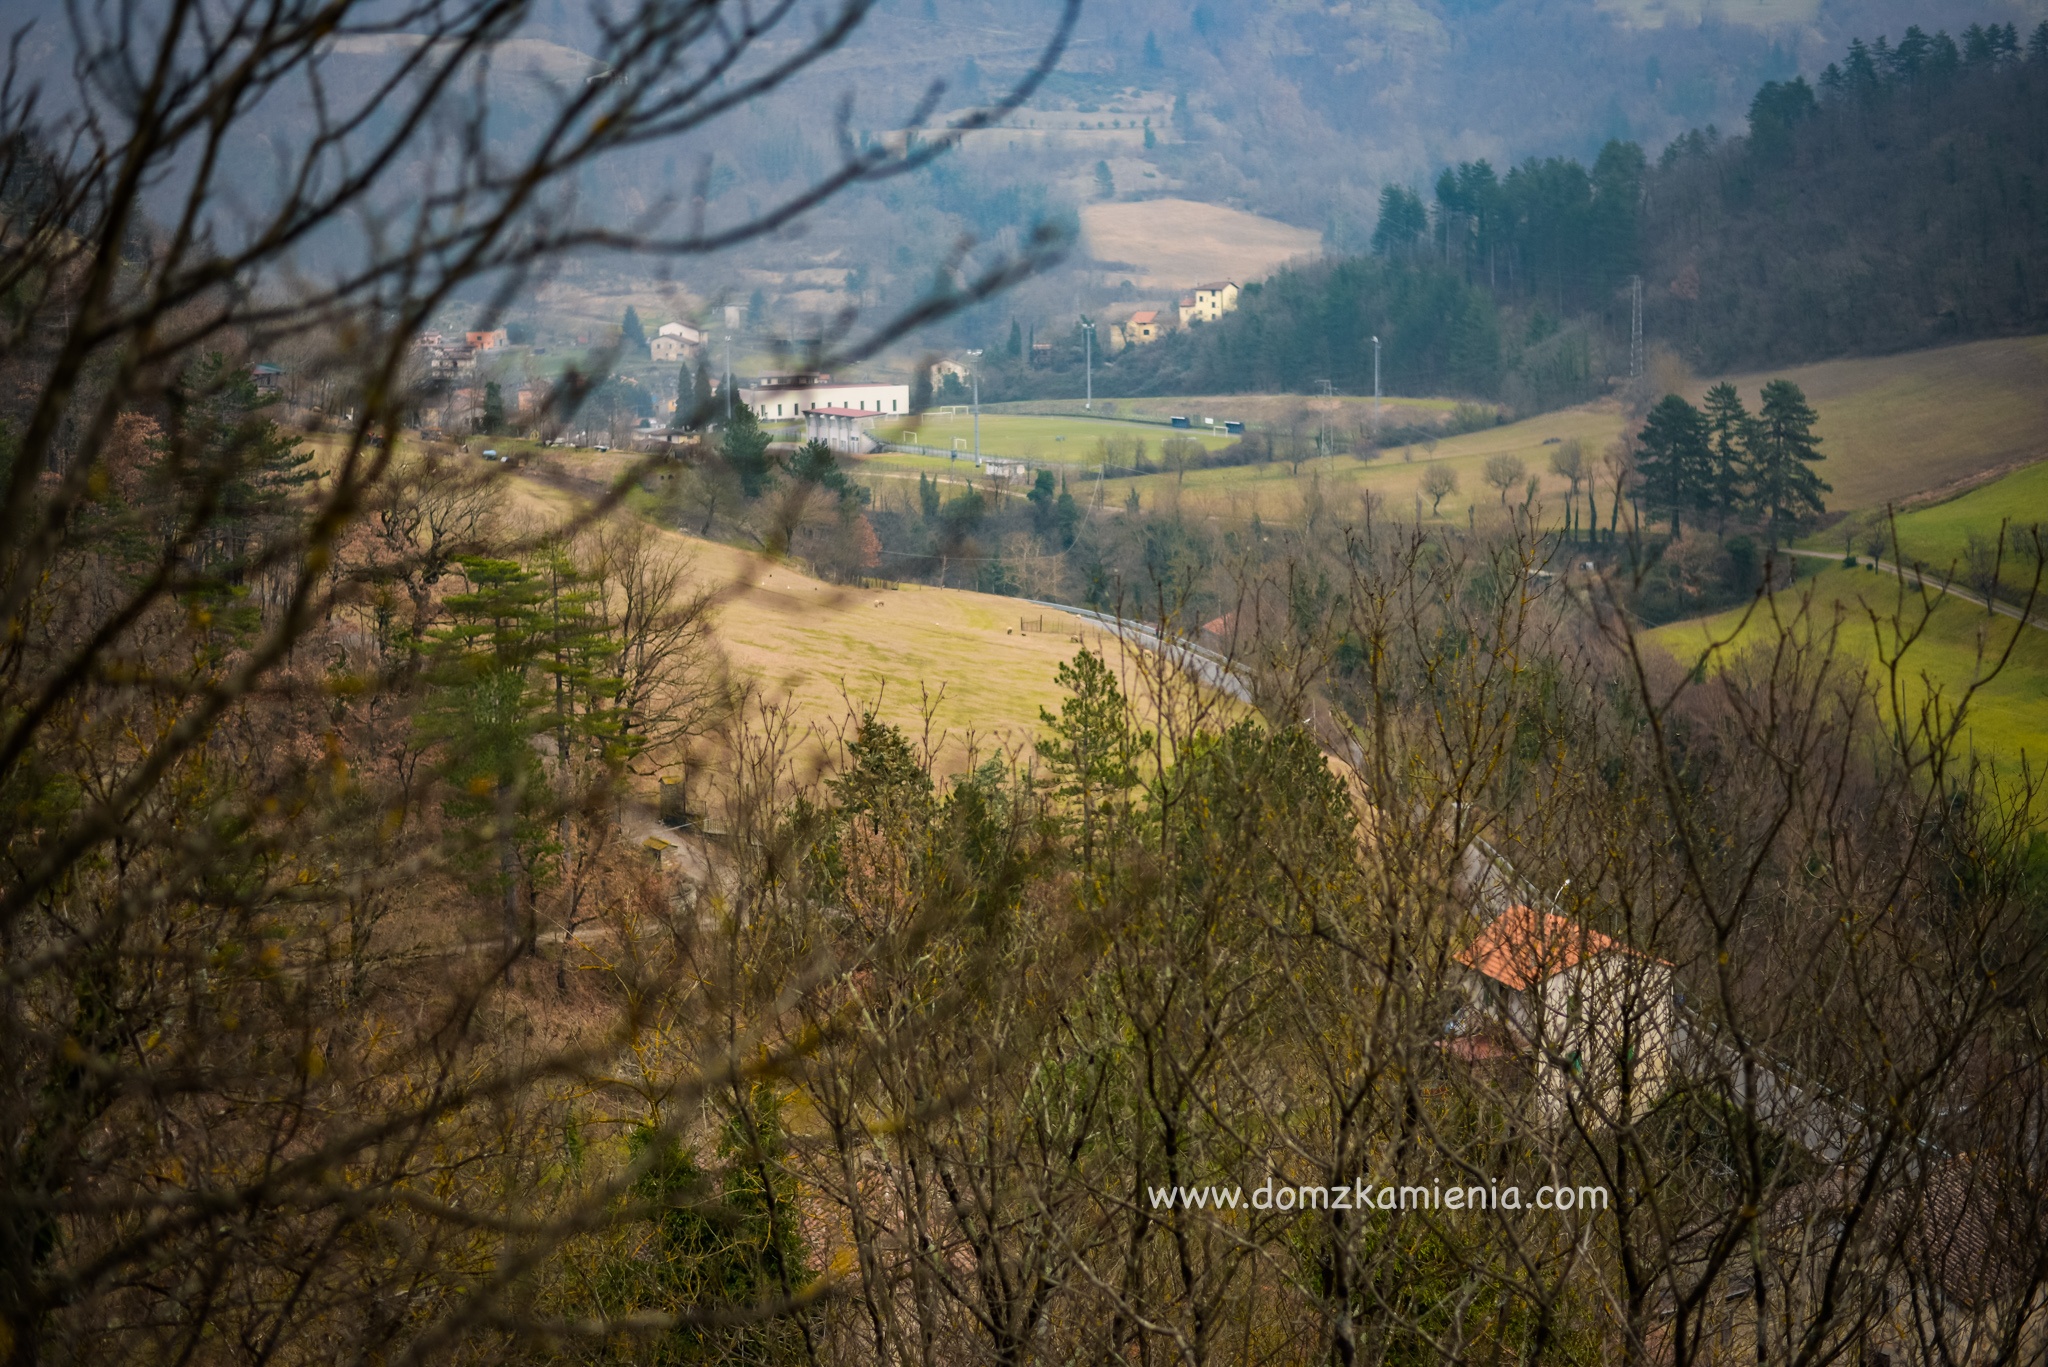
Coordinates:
[786,398]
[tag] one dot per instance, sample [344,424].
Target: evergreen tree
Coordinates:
[1728,437]
[223,446]
[700,409]
[921,389]
[1674,459]
[493,418]
[1402,221]
[1015,346]
[928,497]
[816,465]
[631,336]
[745,448]
[1041,497]
[483,713]
[731,1236]
[1066,515]
[1785,491]
[1092,753]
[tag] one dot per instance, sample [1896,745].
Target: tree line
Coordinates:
[1893,203]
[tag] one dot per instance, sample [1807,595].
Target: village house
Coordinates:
[1141,328]
[788,397]
[1208,303]
[689,334]
[1592,1017]
[667,347]
[490,339]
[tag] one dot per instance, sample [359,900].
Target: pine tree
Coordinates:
[745,448]
[493,419]
[1784,489]
[631,336]
[1093,750]
[222,446]
[1015,346]
[1728,436]
[1674,459]
[483,713]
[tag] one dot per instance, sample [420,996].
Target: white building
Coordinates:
[786,398]
[849,431]
[1207,303]
[686,333]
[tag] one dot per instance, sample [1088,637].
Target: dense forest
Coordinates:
[1897,202]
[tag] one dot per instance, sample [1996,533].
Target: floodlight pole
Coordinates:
[975,375]
[1088,346]
[1375,388]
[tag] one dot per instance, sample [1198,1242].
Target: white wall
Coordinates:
[785,404]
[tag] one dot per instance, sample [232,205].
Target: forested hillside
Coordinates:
[1896,202]
[1902,200]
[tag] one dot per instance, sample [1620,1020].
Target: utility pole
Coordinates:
[1088,344]
[1635,329]
[1376,390]
[732,320]
[975,375]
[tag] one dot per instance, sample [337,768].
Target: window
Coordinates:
[892,405]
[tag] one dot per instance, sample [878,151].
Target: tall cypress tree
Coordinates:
[1785,491]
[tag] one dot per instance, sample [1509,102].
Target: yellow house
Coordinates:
[1143,327]
[1207,303]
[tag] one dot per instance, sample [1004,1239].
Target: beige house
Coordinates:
[667,347]
[1593,1017]
[1207,303]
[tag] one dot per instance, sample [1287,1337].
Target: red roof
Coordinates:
[845,412]
[1523,947]
[1144,316]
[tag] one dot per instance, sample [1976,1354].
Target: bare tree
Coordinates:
[276,761]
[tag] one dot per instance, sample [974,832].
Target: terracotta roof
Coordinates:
[1145,316]
[1522,947]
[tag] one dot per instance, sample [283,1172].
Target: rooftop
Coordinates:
[1523,947]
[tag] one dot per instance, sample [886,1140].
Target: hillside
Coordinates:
[947,665]
[2007,719]
[1892,428]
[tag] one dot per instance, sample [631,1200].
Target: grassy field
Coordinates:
[1251,408]
[1172,244]
[1045,440]
[939,663]
[2007,719]
[1276,490]
[1938,535]
[1892,427]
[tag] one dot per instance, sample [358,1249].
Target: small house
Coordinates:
[1593,1017]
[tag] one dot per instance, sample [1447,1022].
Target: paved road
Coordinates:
[1926,580]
